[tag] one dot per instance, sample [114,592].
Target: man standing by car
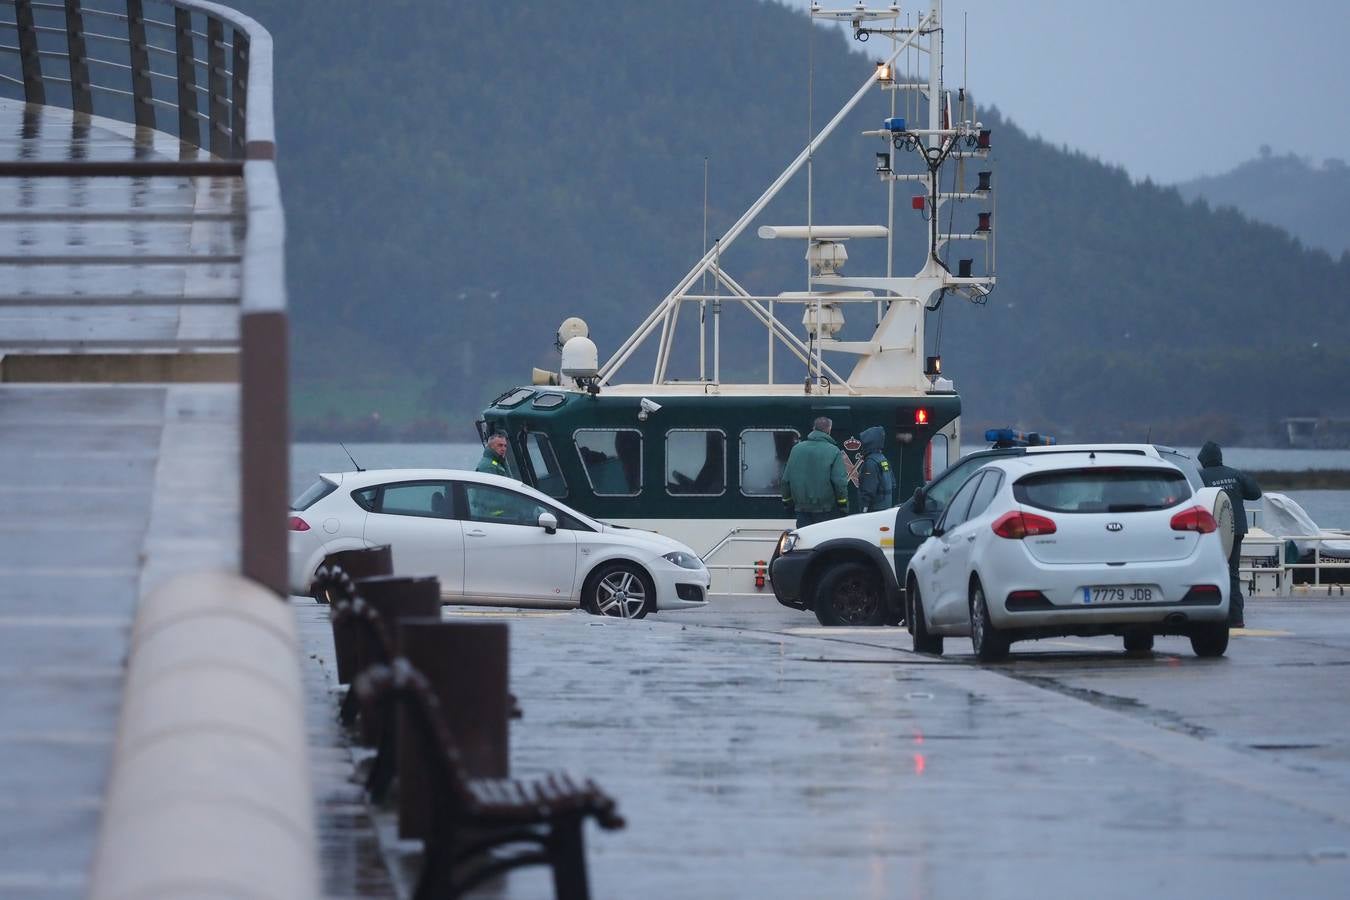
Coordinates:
[876,483]
[815,483]
[494,457]
[1239,486]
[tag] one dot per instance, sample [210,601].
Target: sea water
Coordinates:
[1330,509]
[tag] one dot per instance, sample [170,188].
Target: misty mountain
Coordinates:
[1303,198]
[459,178]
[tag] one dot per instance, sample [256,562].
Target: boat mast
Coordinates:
[661,314]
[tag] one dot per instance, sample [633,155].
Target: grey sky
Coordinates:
[1169,90]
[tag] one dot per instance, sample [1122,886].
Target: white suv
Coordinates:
[1080,543]
[492,540]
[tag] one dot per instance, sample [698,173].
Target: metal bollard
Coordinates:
[468,666]
[363,564]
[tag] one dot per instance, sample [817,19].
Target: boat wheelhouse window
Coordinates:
[764,453]
[549,401]
[548,477]
[513,398]
[612,458]
[696,462]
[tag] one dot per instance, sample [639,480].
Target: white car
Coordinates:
[1076,543]
[492,540]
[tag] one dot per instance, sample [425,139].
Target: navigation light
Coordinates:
[932,367]
[918,202]
[982,142]
[884,74]
[983,187]
[883,163]
[920,416]
[984,225]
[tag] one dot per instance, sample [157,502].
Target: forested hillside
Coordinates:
[459,177]
[1307,200]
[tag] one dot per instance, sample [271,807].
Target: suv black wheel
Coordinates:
[989,643]
[1210,640]
[924,642]
[850,593]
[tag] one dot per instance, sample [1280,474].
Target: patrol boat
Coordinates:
[699,457]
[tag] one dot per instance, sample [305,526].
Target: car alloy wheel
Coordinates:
[984,637]
[620,593]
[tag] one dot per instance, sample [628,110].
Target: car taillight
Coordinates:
[1018,525]
[297,524]
[1197,518]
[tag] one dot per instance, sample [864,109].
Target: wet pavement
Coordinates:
[107,489]
[755,754]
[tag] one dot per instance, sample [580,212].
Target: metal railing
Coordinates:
[178,67]
[1277,576]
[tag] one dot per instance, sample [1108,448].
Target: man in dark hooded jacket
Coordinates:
[876,483]
[1239,486]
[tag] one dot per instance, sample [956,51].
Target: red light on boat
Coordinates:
[920,416]
[918,202]
[295,523]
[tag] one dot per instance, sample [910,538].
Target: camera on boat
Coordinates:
[646,407]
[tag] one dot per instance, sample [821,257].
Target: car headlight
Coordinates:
[683,560]
[787,542]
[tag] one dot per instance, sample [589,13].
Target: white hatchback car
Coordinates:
[492,540]
[1074,543]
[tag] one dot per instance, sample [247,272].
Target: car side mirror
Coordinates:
[549,522]
[922,528]
[920,499]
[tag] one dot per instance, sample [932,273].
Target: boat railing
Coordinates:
[1271,574]
[201,72]
[741,535]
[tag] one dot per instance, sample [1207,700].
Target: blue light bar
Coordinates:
[1007,437]
[895,123]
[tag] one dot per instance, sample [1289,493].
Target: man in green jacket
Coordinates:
[494,457]
[815,483]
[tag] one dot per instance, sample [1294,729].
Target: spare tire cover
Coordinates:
[1223,514]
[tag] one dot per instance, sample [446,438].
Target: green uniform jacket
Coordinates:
[492,464]
[814,479]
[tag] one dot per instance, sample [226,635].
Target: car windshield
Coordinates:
[1110,490]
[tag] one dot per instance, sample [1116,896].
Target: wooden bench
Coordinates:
[484,827]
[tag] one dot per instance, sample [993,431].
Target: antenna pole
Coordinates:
[703,304]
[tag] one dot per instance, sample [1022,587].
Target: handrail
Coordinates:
[235,81]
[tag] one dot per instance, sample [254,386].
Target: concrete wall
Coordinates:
[209,793]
